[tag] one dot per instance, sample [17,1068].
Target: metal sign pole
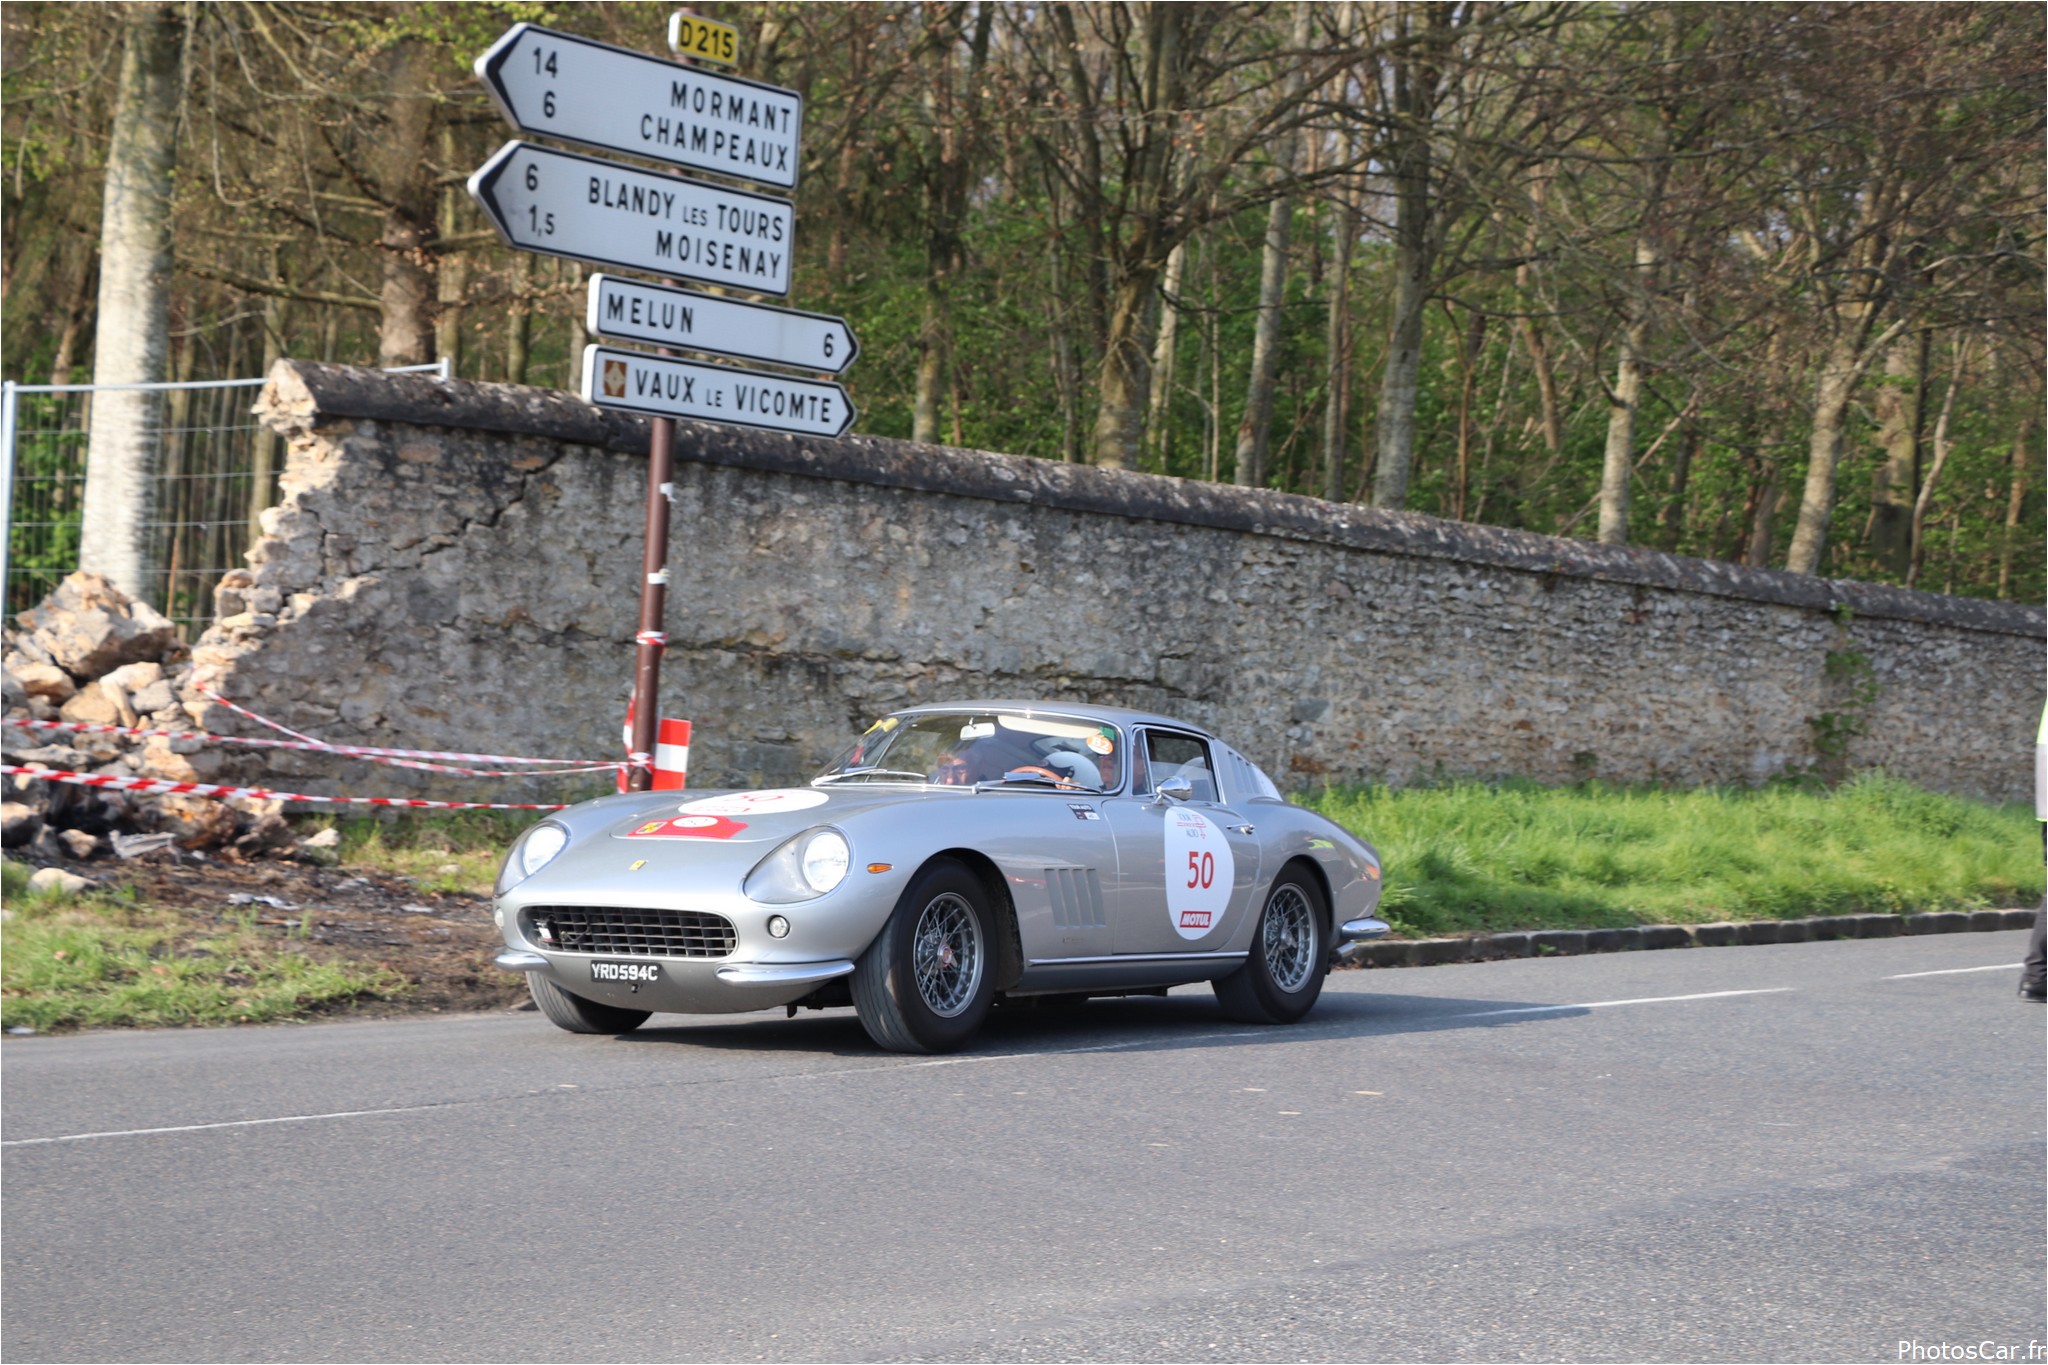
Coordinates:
[651,640]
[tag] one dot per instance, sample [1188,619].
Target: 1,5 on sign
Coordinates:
[564,204]
[659,386]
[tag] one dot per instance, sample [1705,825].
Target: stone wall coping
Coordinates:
[306,394]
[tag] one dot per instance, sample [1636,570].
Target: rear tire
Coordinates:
[574,1013]
[1283,977]
[926,983]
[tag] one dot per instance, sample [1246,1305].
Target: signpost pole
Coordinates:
[653,602]
[651,640]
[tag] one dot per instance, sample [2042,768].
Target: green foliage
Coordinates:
[1470,856]
[102,961]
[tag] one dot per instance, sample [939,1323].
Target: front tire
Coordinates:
[925,984]
[574,1013]
[1283,977]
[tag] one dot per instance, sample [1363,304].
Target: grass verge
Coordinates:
[1490,857]
[440,851]
[104,960]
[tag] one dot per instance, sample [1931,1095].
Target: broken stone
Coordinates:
[78,843]
[44,680]
[19,824]
[159,696]
[59,882]
[93,706]
[89,627]
[134,677]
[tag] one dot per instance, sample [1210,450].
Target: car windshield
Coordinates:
[967,748]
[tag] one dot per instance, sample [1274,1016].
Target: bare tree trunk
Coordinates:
[519,319]
[1066,372]
[1681,475]
[1896,404]
[452,284]
[1165,351]
[263,467]
[76,315]
[1831,395]
[1767,496]
[1619,459]
[135,276]
[1400,381]
[402,171]
[1942,446]
[1337,344]
[1126,375]
[1468,366]
[2022,471]
[1255,429]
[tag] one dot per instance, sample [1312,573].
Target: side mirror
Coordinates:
[1173,788]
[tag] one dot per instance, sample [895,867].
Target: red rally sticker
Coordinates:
[689,827]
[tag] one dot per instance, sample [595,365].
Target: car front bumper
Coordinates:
[686,985]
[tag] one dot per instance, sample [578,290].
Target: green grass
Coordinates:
[1488,857]
[103,960]
[441,851]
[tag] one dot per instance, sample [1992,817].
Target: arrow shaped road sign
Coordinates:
[660,387]
[563,204]
[627,310]
[617,100]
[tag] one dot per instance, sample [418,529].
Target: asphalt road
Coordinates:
[1596,1158]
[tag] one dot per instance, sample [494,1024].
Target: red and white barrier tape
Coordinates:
[92,728]
[373,752]
[154,786]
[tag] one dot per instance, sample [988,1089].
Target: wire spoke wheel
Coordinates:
[946,955]
[1283,975]
[1290,938]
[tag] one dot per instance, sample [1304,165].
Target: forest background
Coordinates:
[1757,282]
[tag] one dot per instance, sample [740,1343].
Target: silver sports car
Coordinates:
[953,856]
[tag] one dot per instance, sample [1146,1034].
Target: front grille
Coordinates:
[630,933]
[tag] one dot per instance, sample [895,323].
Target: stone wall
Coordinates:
[455,566]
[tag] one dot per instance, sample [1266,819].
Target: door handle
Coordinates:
[1245,829]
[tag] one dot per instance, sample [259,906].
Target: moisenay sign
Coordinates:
[565,204]
[616,100]
[662,387]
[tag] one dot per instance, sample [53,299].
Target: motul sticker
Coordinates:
[688,827]
[753,803]
[1199,872]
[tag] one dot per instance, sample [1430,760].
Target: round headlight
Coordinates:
[825,860]
[540,848]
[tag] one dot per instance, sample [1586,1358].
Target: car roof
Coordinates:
[1115,715]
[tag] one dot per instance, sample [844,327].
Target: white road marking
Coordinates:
[1956,971]
[231,1123]
[450,1104]
[1610,1004]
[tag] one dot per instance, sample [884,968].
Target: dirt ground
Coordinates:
[443,942]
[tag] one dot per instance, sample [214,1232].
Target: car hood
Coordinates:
[751,817]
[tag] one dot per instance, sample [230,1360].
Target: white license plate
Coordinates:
[630,973]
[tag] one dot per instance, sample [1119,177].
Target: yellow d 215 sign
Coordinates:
[707,40]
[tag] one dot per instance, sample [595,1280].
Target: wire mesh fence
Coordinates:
[216,470]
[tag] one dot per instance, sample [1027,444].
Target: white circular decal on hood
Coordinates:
[753,803]
[1199,872]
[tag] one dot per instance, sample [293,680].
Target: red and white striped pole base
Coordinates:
[671,754]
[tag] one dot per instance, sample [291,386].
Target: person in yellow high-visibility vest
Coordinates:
[2034,971]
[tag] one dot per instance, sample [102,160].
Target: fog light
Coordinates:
[778,927]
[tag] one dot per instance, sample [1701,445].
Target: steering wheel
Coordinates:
[1057,779]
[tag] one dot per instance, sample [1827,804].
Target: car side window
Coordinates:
[1169,755]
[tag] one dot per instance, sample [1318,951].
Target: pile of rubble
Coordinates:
[88,654]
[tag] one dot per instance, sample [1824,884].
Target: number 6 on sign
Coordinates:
[1197,845]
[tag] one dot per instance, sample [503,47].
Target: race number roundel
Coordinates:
[1199,872]
[753,803]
